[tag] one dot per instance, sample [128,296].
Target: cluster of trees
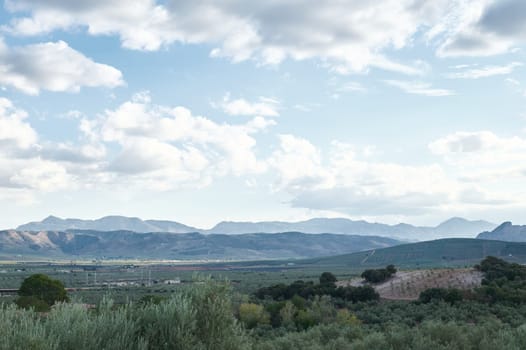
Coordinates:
[503,282]
[379,275]
[449,295]
[301,305]
[309,289]
[295,314]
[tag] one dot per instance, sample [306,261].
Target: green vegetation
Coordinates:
[379,275]
[199,317]
[314,314]
[451,252]
[309,290]
[449,295]
[41,292]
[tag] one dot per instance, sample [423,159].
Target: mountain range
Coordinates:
[506,232]
[454,227]
[107,223]
[186,246]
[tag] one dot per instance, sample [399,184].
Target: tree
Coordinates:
[252,314]
[327,278]
[379,275]
[43,288]
[391,269]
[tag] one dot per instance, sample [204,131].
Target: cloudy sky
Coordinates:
[209,110]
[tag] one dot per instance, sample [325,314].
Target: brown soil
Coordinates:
[407,285]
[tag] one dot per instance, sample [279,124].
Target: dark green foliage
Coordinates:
[356,294]
[379,275]
[495,268]
[449,295]
[503,281]
[44,288]
[308,290]
[328,278]
[150,299]
[31,302]
[391,269]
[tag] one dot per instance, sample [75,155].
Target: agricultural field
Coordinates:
[129,281]
[407,285]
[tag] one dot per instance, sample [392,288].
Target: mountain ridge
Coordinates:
[186,246]
[506,232]
[453,227]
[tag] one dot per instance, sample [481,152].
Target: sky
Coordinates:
[209,110]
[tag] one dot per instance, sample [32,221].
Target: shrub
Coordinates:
[253,315]
[43,287]
[379,275]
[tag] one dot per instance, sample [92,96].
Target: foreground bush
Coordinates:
[38,289]
[198,317]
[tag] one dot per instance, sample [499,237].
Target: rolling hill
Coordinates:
[437,253]
[191,246]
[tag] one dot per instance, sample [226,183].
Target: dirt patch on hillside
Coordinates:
[407,285]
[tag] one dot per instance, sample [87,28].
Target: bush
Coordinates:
[199,317]
[328,278]
[450,295]
[31,302]
[43,287]
[379,275]
[253,315]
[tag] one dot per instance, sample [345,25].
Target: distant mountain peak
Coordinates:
[52,219]
[506,232]
[454,219]
[107,223]
[504,225]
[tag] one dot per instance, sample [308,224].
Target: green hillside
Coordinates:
[438,253]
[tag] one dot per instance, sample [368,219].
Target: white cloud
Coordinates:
[484,72]
[21,168]
[151,147]
[298,163]
[41,175]
[477,142]
[347,181]
[483,156]
[175,147]
[14,131]
[351,86]
[347,36]
[419,88]
[483,28]
[266,107]
[52,66]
